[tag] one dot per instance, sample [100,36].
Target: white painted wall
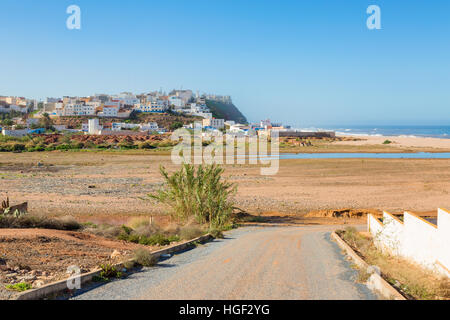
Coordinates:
[415,239]
[444,239]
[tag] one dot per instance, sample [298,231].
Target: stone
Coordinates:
[29,278]
[115,254]
[38,283]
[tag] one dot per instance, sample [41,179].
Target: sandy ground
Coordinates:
[113,186]
[39,256]
[399,141]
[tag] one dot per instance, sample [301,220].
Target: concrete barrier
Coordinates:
[375,282]
[419,240]
[58,287]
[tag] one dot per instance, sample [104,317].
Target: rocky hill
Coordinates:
[225,111]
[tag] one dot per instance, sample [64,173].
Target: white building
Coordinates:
[177,102]
[94,127]
[151,126]
[78,110]
[214,123]
[109,111]
[158,106]
[15,133]
[18,108]
[127,98]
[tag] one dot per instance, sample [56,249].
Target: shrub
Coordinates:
[78,145]
[144,258]
[38,221]
[146,145]
[106,231]
[216,233]
[108,271]
[22,286]
[201,194]
[18,147]
[126,145]
[387,142]
[135,223]
[190,232]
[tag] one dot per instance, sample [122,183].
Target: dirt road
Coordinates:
[250,263]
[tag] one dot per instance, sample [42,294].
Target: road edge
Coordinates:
[376,281]
[61,285]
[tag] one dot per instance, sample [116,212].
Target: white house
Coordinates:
[127,98]
[78,110]
[214,123]
[158,106]
[176,101]
[109,111]
[151,126]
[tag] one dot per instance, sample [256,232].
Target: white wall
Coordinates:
[415,239]
[444,239]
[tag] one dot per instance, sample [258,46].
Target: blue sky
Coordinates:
[305,63]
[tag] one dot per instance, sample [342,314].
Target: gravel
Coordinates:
[250,263]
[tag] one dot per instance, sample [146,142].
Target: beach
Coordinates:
[398,141]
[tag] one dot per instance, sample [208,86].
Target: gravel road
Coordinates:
[274,263]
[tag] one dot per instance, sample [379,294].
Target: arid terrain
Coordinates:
[114,185]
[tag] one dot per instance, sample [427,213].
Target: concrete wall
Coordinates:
[298,134]
[415,238]
[15,133]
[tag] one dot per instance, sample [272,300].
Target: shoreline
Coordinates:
[398,141]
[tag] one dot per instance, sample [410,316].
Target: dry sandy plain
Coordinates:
[112,186]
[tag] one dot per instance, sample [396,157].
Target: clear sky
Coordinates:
[302,62]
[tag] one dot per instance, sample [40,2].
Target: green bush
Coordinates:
[108,271]
[201,194]
[23,286]
[18,147]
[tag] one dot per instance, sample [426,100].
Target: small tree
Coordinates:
[202,194]
[176,125]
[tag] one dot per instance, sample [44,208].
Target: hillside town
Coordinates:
[104,114]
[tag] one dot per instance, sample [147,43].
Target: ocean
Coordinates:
[442,132]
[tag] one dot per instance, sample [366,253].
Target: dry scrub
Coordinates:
[413,280]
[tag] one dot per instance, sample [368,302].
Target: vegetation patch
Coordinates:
[38,221]
[20,287]
[144,258]
[201,194]
[410,278]
[107,273]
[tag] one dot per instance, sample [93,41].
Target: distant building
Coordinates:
[109,111]
[214,123]
[94,126]
[78,110]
